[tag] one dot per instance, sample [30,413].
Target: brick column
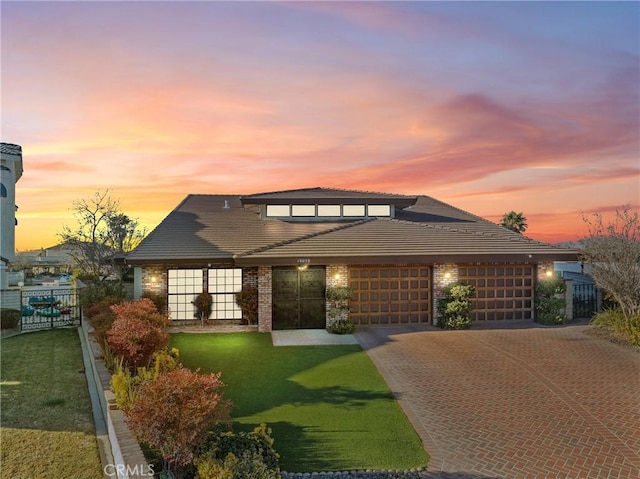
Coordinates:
[265,319]
[568,299]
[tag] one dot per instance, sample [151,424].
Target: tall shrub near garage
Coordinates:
[550,301]
[338,310]
[455,306]
[138,331]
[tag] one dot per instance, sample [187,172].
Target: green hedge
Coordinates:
[9,318]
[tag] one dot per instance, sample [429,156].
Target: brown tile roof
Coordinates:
[201,229]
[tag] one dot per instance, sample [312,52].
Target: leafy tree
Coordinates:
[174,413]
[101,232]
[612,251]
[515,222]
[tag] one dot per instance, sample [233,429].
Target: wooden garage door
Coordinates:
[390,294]
[502,291]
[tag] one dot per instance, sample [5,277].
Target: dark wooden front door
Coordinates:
[299,298]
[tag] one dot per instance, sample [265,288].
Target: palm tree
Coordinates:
[515,222]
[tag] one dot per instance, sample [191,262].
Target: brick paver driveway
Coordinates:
[516,403]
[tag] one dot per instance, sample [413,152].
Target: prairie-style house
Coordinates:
[395,252]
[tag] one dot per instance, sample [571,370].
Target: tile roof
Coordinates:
[219,228]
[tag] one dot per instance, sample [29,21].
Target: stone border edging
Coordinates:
[127,459]
[362,474]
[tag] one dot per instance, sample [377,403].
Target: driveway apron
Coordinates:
[515,403]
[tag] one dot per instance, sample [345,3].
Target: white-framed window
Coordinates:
[378,210]
[353,210]
[224,283]
[303,210]
[278,210]
[183,285]
[328,210]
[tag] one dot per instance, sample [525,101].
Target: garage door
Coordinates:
[502,291]
[390,295]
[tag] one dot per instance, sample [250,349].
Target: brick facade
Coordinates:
[154,280]
[443,275]
[337,276]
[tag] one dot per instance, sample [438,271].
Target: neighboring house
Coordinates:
[10,173]
[47,261]
[395,252]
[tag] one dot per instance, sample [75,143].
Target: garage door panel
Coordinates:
[502,292]
[390,295]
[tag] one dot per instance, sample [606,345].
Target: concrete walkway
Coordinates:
[310,337]
[529,402]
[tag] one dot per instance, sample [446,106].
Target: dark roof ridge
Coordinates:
[303,237]
[323,188]
[456,208]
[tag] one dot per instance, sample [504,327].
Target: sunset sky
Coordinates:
[489,106]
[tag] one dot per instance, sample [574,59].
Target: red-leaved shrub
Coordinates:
[138,330]
[142,308]
[173,413]
[135,340]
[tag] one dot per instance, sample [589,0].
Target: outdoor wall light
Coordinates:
[302,267]
[337,276]
[549,273]
[154,279]
[447,275]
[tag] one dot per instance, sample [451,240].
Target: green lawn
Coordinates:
[328,406]
[46,422]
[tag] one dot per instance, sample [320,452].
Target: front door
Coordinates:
[299,298]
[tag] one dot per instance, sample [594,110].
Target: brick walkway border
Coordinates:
[120,452]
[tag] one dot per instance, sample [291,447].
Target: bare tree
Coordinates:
[101,232]
[612,250]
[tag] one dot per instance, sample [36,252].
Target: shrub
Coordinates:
[9,318]
[341,326]
[96,292]
[136,340]
[102,306]
[247,301]
[126,386]
[455,306]
[138,331]
[239,456]
[204,304]
[338,310]
[550,301]
[101,317]
[173,413]
[159,300]
[142,308]
[614,319]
